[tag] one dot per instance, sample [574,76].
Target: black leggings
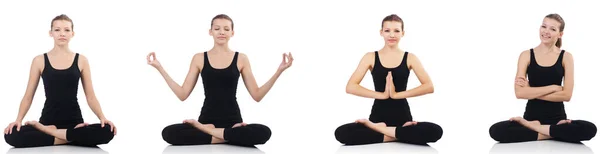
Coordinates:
[510,131]
[356,134]
[91,135]
[185,134]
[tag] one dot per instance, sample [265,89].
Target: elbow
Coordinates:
[430,88]
[568,98]
[182,97]
[350,89]
[257,99]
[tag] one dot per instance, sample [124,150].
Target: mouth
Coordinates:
[392,40]
[545,36]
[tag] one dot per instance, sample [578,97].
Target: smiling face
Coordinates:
[391,32]
[550,31]
[61,31]
[221,30]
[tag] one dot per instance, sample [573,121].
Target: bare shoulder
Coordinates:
[525,53]
[38,61]
[412,56]
[242,56]
[568,55]
[369,57]
[83,58]
[198,57]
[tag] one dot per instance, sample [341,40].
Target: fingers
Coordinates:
[290,57]
[102,123]
[18,127]
[112,126]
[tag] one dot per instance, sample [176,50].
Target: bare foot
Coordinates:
[46,129]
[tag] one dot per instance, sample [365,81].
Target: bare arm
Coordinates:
[258,93]
[88,88]
[182,92]
[353,87]
[526,92]
[34,77]
[567,92]
[426,86]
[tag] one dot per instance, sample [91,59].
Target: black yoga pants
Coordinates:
[91,135]
[356,134]
[510,131]
[185,134]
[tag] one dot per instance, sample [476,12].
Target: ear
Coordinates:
[232,32]
[403,32]
[381,32]
[50,33]
[560,35]
[209,32]
[73,34]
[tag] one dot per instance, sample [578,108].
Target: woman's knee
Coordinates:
[497,131]
[435,131]
[168,133]
[343,132]
[588,129]
[261,132]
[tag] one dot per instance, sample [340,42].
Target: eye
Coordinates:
[397,31]
[226,29]
[386,30]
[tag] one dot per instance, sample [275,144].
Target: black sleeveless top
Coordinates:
[546,112]
[220,86]
[393,112]
[61,106]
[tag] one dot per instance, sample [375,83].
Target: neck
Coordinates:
[547,47]
[388,48]
[220,48]
[60,49]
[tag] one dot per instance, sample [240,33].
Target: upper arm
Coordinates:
[522,67]
[568,83]
[86,77]
[365,64]
[35,72]
[193,73]
[246,71]
[415,64]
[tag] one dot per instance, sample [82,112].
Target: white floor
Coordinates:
[545,147]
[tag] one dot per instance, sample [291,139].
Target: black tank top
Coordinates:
[220,86]
[393,112]
[546,112]
[61,106]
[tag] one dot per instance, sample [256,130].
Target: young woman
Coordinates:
[390,118]
[61,121]
[539,79]
[220,120]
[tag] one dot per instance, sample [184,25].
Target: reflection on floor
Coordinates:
[385,148]
[212,149]
[541,147]
[57,150]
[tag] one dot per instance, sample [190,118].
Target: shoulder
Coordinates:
[525,53]
[411,56]
[568,57]
[39,59]
[242,57]
[369,56]
[82,58]
[198,56]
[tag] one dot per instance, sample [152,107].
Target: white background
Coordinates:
[469,48]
